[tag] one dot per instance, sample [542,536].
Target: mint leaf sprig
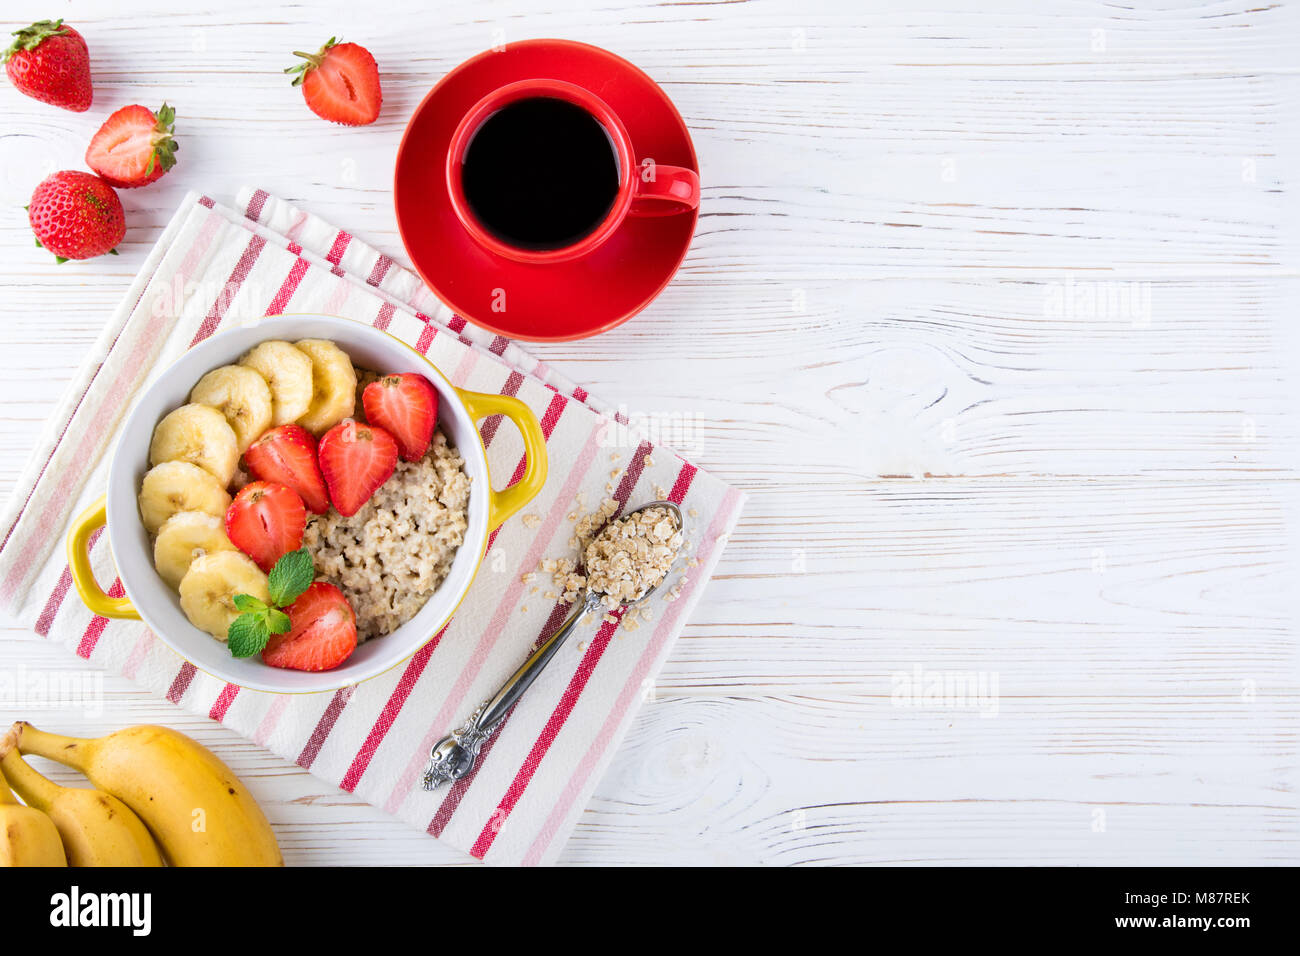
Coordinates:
[257,621]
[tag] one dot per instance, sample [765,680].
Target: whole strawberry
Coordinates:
[76,216]
[134,147]
[340,83]
[49,62]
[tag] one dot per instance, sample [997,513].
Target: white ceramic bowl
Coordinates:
[148,597]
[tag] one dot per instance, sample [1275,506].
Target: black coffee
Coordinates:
[540,173]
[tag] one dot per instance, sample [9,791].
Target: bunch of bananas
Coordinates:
[159,796]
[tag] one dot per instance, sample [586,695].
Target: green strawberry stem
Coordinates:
[164,146]
[313,60]
[29,38]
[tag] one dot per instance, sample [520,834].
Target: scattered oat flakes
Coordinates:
[528,577]
[531,520]
[648,461]
[694,513]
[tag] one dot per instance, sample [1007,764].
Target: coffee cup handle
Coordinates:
[664,190]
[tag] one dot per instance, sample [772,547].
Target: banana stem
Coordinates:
[65,750]
[36,789]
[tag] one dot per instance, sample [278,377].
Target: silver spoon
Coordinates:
[453,757]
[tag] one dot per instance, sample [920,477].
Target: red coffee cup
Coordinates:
[644,189]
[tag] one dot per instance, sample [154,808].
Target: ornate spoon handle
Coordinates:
[453,757]
[492,712]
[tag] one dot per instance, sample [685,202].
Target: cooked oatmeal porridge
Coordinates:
[390,556]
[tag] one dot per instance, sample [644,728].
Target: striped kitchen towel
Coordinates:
[214,268]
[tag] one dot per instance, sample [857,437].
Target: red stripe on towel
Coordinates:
[256,202]
[97,624]
[182,682]
[237,276]
[569,699]
[396,700]
[558,613]
[288,287]
[337,250]
[223,702]
[382,265]
[426,338]
[385,316]
[323,726]
[493,422]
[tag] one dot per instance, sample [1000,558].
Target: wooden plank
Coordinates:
[850,779]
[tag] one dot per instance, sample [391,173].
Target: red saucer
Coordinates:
[554,301]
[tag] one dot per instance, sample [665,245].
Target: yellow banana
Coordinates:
[195,807]
[27,836]
[97,829]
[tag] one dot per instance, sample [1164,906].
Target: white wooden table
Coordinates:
[991,309]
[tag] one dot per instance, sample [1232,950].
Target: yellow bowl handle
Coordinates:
[79,564]
[502,504]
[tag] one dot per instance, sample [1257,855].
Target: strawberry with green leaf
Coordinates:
[134,147]
[322,632]
[48,61]
[340,83]
[308,626]
[257,620]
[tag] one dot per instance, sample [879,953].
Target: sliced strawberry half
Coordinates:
[266,521]
[287,455]
[322,631]
[134,147]
[405,405]
[340,83]
[355,460]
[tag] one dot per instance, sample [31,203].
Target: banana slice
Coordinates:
[183,537]
[288,371]
[179,486]
[200,435]
[209,587]
[242,396]
[334,389]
